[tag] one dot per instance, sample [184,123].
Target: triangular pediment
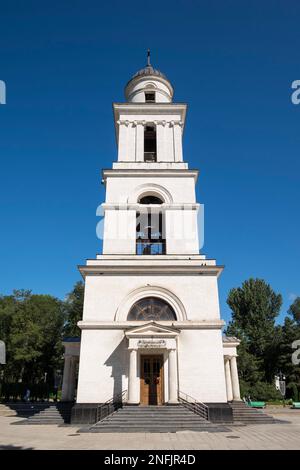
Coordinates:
[152,329]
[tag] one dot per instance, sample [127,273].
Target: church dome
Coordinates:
[150,82]
[149,70]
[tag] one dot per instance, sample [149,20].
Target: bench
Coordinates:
[296,405]
[257,404]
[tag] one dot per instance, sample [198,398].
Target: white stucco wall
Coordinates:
[119,188]
[130,134]
[201,365]
[104,360]
[103,368]
[119,232]
[104,294]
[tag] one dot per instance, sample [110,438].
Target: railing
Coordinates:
[111,405]
[150,248]
[193,405]
[149,156]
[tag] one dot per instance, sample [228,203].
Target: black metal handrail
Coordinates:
[150,157]
[194,405]
[111,405]
[144,247]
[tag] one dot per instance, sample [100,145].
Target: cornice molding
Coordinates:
[154,208]
[138,269]
[126,325]
[146,109]
[126,122]
[166,172]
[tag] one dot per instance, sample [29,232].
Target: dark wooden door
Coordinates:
[151,380]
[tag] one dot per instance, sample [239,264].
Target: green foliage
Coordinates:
[294,392]
[32,327]
[265,348]
[294,310]
[73,310]
[260,391]
[255,307]
[290,332]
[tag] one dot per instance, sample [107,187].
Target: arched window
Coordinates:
[150,200]
[151,308]
[150,229]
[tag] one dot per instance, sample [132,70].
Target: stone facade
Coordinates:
[196,360]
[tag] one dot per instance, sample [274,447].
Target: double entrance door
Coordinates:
[151,380]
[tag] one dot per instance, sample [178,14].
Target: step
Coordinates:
[47,414]
[154,419]
[157,418]
[126,423]
[131,429]
[142,416]
[244,414]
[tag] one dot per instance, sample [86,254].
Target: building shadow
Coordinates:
[118,361]
[12,447]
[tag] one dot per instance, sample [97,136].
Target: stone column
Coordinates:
[133,398]
[172,365]
[160,141]
[228,378]
[235,379]
[177,141]
[122,140]
[72,378]
[68,385]
[139,141]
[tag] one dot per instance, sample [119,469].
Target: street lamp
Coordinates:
[280,384]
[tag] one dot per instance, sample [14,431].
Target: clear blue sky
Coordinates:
[233,62]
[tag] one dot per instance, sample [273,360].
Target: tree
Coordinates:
[290,331]
[294,310]
[33,331]
[255,307]
[73,306]
[7,309]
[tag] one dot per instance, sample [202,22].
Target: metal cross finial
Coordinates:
[148,57]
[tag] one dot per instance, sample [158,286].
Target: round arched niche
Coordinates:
[150,291]
[151,309]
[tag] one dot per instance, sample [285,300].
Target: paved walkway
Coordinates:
[263,436]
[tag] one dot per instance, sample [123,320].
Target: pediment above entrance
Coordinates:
[152,329]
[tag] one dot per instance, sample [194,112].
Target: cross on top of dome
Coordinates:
[149,70]
[149,85]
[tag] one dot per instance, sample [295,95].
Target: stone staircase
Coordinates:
[38,413]
[154,419]
[243,413]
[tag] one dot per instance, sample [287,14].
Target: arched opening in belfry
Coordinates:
[149,96]
[150,227]
[150,143]
[151,309]
[150,200]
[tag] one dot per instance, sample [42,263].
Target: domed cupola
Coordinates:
[149,85]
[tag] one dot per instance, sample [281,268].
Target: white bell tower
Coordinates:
[149,130]
[151,326]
